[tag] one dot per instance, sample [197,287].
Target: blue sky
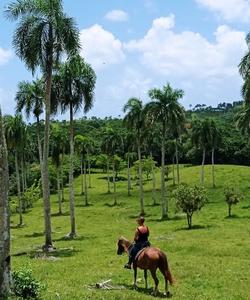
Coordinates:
[135,45]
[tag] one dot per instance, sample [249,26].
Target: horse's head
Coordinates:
[123,245]
[120,246]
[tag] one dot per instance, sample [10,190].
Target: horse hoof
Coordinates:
[168,295]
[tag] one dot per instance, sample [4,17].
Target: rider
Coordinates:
[140,241]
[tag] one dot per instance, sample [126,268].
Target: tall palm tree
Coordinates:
[14,133]
[5,278]
[30,98]
[135,122]
[165,109]
[112,139]
[215,137]
[57,140]
[83,144]
[201,138]
[76,82]
[43,34]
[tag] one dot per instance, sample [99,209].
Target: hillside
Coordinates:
[210,261]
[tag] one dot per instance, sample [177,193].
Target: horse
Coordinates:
[149,258]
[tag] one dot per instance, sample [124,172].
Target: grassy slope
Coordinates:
[209,262]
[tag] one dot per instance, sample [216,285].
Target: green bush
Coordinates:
[25,286]
[232,197]
[190,199]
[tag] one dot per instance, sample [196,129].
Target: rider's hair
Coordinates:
[141,219]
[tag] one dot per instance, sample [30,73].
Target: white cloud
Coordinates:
[100,47]
[117,15]
[189,54]
[7,103]
[5,55]
[230,10]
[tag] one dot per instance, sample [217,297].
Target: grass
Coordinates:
[209,262]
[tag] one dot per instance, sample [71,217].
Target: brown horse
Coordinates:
[151,259]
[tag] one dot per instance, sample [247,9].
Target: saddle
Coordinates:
[139,252]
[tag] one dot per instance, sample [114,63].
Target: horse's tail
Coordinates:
[164,267]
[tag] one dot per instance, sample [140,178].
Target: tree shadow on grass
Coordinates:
[148,291]
[83,205]
[77,238]
[34,234]
[119,204]
[64,214]
[237,217]
[246,207]
[194,227]
[160,220]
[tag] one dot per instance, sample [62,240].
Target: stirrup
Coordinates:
[127,266]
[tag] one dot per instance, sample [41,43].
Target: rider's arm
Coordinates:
[136,235]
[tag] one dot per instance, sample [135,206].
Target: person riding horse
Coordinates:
[140,241]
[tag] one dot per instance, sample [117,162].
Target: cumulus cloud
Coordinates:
[117,15]
[100,47]
[5,55]
[188,53]
[230,10]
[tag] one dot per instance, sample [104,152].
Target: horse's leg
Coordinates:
[153,273]
[135,276]
[146,279]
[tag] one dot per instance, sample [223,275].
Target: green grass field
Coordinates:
[212,261]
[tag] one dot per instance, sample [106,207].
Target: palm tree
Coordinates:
[29,98]
[166,110]
[112,142]
[5,278]
[14,133]
[57,140]
[82,146]
[43,34]
[201,139]
[134,121]
[76,82]
[215,137]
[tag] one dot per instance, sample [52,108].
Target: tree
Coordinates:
[30,97]
[4,218]
[15,135]
[215,137]
[76,82]
[43,34]
[165,109]
[232,197]
[201,138]
[130,157]
[112,142]
[190,200]
[57,140]
[135,121]
[82,146]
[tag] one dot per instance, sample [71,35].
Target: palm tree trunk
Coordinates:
[140,181]
[85,184]
[177,162]
[59,195]
[129,177]
[24,205]
[71,177]
[202,166]
[153,182]
[89,169]
[108,176]
[163,186]
[82,179]
[18,191]
[173,172]
[40,151]
[45,164]
[114,183]
[62,179]
[213,170]
[5,278]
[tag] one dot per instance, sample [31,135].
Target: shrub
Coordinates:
[190,199]
[232,197]
[25,286]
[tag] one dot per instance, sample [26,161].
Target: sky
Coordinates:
[137,45]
